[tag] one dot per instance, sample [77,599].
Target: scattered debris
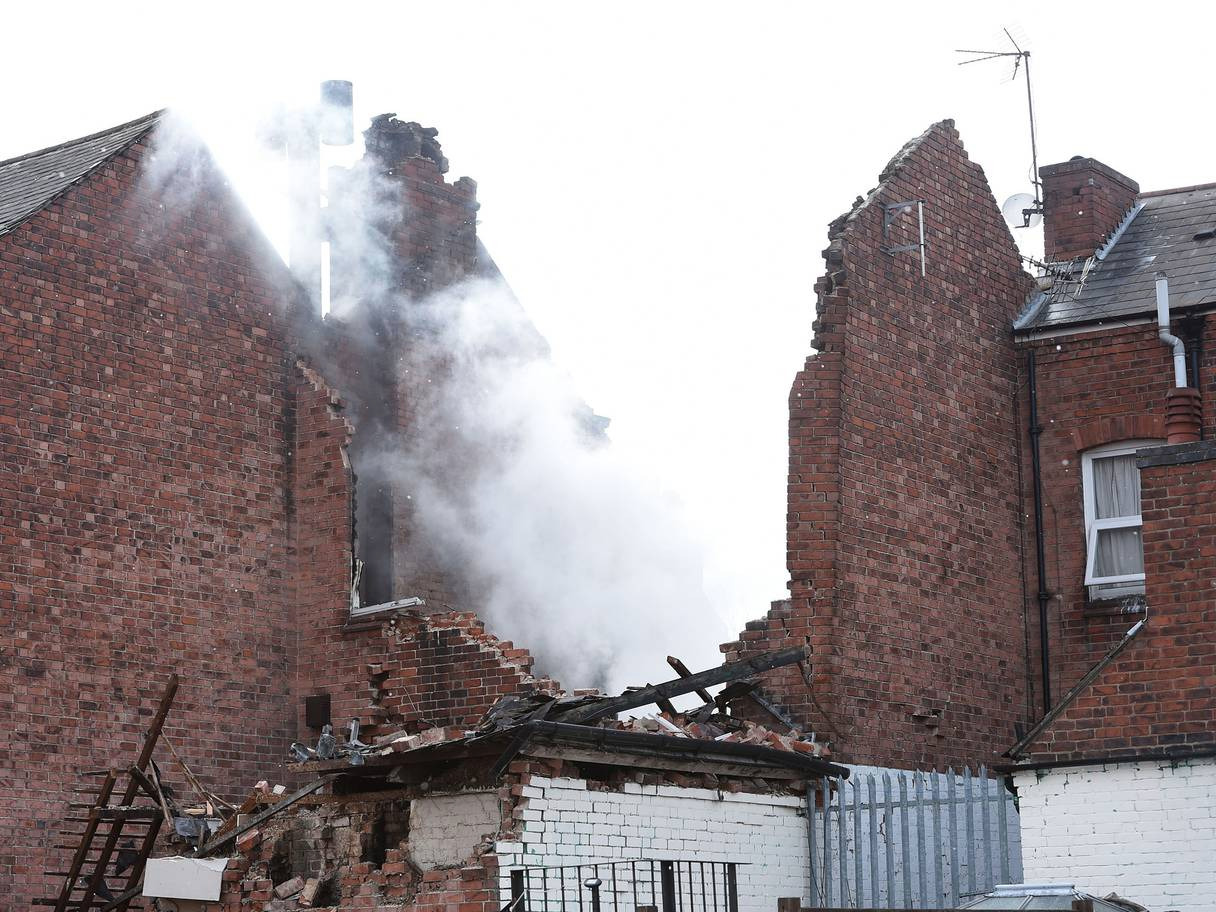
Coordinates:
[709,721]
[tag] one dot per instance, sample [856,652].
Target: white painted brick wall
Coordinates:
[567,824]
[1145,830]
[445,829]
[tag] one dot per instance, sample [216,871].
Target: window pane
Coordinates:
[1119,552]
[1116,487]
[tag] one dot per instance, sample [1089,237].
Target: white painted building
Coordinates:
[1145,830]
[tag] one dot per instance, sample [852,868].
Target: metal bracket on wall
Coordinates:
[891,212]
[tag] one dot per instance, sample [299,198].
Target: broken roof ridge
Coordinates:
[151,119]
[890,171]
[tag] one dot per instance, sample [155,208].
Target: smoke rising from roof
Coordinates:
[573,551]
[562,542]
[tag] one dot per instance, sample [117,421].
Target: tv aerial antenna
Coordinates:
[1028,207]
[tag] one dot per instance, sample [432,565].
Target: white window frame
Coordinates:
[358,609]
[1131,582]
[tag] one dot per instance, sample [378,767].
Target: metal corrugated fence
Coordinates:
[911,840]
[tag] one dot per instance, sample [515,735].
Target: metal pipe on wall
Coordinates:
[1040,554]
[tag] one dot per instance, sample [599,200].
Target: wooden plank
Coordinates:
[661,762]
[261,818]
[144,783]
[732,671]
[682,670]
[248,806]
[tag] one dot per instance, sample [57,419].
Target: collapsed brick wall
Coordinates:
[1157,693]
[355,854]
[1098,386]
[413,670]
[448,842]
[144,422]
[904,520]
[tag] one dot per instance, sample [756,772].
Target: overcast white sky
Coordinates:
[656,178]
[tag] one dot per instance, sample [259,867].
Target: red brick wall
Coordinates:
[177,496]
[904,520]
[143,509]
[1093,389]
[1158,692]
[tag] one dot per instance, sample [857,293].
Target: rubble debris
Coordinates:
[221,838]
[522,713]
[289,887]
[309,893]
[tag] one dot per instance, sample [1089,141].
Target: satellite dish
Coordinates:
[1022,210]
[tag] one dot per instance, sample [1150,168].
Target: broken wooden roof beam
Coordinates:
[644,696]
[682,670]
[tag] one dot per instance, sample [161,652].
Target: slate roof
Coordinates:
[1160,237]
[32,181]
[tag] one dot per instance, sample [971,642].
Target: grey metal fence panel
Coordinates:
[924,863]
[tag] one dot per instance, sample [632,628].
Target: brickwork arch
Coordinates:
[1101,431]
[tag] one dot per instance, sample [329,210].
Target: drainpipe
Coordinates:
[1163,330]
[1040,551]
[1183,408]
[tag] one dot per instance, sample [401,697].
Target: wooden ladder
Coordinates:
[106,823]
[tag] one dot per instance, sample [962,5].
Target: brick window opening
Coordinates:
[1114,552]
[374,540]
[373,581]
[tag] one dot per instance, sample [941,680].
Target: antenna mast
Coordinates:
[1019,57]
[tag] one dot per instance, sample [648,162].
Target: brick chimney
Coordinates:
[1083,201]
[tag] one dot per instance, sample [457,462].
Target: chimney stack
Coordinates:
[1083,201]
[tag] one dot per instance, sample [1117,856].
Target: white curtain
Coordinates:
[1116,487]
[1117,493]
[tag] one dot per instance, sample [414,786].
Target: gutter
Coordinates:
[1170,754]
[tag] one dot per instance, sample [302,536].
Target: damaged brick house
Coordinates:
[1000,520]
[190,487]
[178,493]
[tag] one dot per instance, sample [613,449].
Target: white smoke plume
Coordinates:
[569,547]
[579,556]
